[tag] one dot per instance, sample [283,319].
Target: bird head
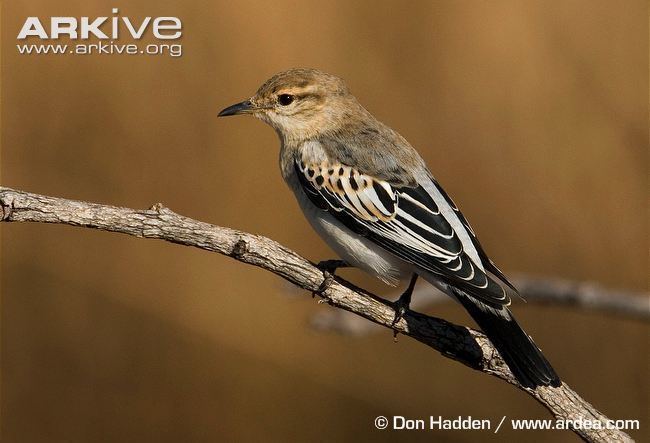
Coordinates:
[299,103]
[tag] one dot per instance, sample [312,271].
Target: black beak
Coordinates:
[244,107]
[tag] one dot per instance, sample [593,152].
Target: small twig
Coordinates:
[463,344]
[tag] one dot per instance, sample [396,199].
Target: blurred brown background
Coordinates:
[532,114]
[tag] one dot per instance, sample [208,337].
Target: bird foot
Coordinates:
[400,306]
[400,310]
[328,267]
[403,303]
[328,279]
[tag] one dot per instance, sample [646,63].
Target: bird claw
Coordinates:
[324,286]
[328,267]
[400,310]
[402,304]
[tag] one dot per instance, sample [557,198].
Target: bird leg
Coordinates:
[332,265]
[404,301]
[328,267]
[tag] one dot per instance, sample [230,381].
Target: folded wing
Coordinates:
[403,220]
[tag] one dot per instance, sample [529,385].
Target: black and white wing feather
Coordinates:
[421,225]
[488,264]
[403,220]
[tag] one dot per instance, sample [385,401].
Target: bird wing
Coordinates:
[404,220]
[487,263]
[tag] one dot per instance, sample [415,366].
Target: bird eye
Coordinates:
[285,99]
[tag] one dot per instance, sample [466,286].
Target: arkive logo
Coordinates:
[164,28]
[106,31]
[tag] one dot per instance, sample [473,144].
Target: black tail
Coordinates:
[518,350]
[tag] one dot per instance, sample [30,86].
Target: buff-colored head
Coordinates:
[299,103]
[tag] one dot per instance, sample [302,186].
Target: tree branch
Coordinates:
[584,295]
[463,344]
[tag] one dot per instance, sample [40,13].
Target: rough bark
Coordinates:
[463,344]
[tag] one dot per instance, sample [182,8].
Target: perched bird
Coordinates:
[370,196]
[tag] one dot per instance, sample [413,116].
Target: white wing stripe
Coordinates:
[422,243]
[450,215]
[460,264]
[372,195]
[417,247]
[358,207]
[415,221]
[417,202]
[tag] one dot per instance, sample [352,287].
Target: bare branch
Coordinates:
[463,344]
[583,295]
